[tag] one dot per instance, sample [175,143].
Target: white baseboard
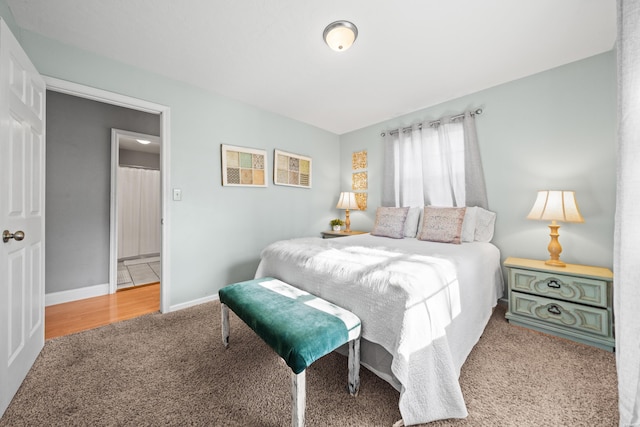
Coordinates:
[99,290]
[75,294]
[193,302]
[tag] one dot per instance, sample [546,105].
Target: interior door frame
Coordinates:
[164,112]
[116,135]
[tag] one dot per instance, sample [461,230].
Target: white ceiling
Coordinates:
[410,54]
[132,144]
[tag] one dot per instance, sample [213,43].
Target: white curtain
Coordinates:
[138,212]
[436,164]
[626,265]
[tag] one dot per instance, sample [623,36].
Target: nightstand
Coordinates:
[342,233]
[574,302]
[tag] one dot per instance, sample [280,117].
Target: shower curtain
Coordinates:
[138,212]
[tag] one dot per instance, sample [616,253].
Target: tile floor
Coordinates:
[138,272]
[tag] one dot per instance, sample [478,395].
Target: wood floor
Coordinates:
[76,316]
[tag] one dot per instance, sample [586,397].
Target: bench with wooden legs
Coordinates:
[300,327]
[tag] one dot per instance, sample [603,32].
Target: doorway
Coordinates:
[163,113]
[135,210]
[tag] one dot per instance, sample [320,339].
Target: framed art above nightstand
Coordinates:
[574,302]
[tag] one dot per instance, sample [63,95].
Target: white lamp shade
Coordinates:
[340,35]
[347,200]
[556,206]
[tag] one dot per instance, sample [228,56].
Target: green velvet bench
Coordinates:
[300,327]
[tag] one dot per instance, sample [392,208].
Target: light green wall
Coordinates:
[552,130]
[217,232]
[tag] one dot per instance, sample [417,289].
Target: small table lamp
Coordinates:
[347,201]
[555,206]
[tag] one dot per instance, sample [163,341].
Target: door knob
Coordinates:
[6,235]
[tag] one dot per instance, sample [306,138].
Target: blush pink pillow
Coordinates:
[442,224]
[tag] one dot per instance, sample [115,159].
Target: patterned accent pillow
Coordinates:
[390,222]
[442,224]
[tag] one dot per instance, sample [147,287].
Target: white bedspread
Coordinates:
[426,303]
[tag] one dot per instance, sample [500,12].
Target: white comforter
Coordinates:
[426,303]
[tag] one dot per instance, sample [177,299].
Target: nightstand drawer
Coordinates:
[561,313]
[568,288]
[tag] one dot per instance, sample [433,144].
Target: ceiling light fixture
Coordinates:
[143,141]
[340,35]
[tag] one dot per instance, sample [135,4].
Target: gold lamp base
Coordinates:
[554,246]
[347,222]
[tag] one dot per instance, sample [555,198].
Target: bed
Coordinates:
[423,306]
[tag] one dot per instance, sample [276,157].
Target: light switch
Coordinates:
[177,194]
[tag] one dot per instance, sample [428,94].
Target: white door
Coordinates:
[22,178]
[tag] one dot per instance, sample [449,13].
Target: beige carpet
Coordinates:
[172,370]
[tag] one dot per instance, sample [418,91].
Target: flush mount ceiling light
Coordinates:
[340,35]
[143,141]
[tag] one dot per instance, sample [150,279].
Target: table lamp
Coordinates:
[347,201]
[555,206]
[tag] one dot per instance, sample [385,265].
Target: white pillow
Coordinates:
[411,224]
[469,224]
[390,222]
[421,220]
[485,223]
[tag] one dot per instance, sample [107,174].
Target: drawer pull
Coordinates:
[553,284]
[553,309]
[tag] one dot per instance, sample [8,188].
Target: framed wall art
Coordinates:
[291,169]
[360,178]
[243,167]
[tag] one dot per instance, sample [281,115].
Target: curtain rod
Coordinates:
[433,122]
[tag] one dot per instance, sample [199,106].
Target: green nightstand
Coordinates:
[574,302]
[333,234]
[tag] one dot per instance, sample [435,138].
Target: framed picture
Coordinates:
[291,169]
[360,178]
[243,167]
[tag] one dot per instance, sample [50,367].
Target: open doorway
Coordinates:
[135,210]
[134,104]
